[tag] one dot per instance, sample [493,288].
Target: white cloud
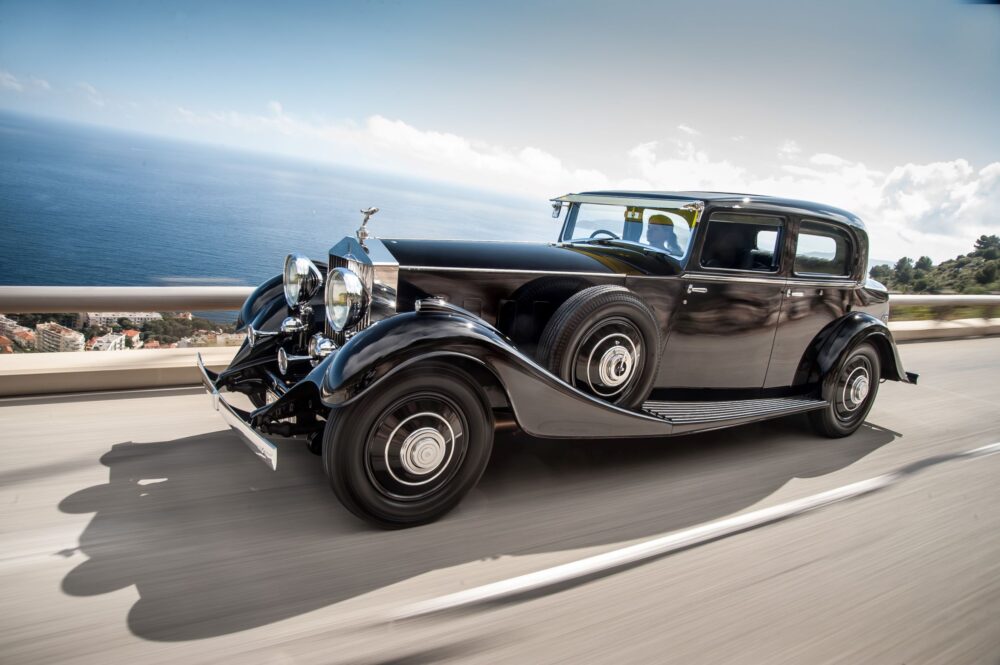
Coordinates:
[687,168]
[788,149]
[428,153]
[687,129]
[457,154]
[934,209]
[93,95]
[826,159]
[10,82]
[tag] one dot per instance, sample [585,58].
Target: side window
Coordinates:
[822,249]
[742,242]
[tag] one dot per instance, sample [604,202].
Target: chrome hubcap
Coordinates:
[856,386]
[608,359]
[416,446]
[422,451]
[859,389]
[615,366]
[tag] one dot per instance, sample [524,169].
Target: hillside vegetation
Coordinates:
[976,272]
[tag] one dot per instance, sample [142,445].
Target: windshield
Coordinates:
[665,229]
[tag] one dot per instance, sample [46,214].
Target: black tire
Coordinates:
[847,410]
[605,341]
[378,464]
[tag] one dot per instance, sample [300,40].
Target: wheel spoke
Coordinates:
[853,389]
[416,446]
[608,358]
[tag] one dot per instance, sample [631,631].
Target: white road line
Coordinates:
[671,542]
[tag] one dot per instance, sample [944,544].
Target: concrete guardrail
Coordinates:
[37,299]
[49,373]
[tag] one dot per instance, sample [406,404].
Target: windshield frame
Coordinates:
[681,207]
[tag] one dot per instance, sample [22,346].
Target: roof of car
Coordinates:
[739,199]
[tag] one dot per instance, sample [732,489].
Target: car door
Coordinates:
[818,292]
[722,332]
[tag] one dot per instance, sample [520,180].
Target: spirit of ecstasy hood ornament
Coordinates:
[363,230]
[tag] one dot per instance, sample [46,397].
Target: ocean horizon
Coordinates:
[82,205]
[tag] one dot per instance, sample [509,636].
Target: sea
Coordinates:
[81,205]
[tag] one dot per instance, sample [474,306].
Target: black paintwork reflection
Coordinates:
[519,304]
[805,311]
[543,405]
[721,338]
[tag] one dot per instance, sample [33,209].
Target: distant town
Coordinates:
[111,331]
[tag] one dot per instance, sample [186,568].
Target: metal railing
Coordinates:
[37,299]
[46,373]
[922,300]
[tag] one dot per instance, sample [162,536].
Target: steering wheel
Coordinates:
[613,235]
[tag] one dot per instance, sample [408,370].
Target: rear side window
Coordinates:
[822,249]
[742,242]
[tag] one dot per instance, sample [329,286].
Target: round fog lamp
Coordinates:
[302,279]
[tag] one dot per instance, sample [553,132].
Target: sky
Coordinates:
[887,108]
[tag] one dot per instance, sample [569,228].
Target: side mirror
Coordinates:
[556,209]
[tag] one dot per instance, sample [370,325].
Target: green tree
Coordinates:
[881,273]
[987,247]
[31,320]
[924,263]
[903,272]
[987,274]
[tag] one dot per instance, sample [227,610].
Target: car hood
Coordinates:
[526,256]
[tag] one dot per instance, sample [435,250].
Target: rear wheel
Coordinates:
[850,391]
[408,455]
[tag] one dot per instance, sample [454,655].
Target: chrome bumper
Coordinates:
[239,420]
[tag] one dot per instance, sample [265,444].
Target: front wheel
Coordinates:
[850,391]
[408,454]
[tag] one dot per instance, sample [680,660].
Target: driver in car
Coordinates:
[660,234]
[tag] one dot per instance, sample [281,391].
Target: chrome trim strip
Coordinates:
[261,447]
[510,270]
[710,277]
[713,277]
[478,240]
[632,201]
[830,284]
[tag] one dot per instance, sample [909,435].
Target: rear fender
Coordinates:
[840,337]
[542,404]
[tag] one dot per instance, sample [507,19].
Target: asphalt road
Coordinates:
[135,528]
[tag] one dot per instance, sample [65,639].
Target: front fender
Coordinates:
[542,404]
[840,337]
[264,310]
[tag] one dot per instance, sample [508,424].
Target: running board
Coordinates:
[698,416]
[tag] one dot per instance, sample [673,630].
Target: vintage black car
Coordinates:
[653,314]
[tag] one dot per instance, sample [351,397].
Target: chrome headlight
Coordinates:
[302,279]
[347,299]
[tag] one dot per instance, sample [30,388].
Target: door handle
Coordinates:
[794,294]
[696,289]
